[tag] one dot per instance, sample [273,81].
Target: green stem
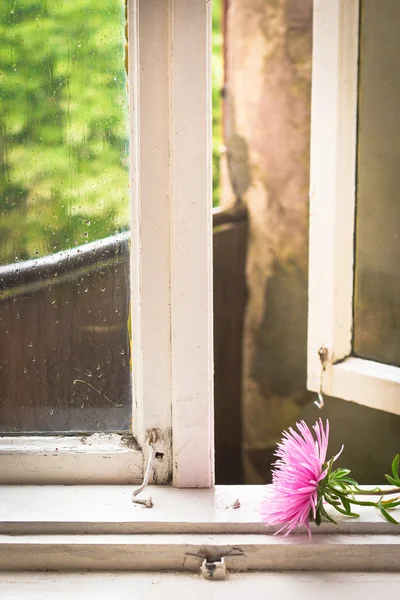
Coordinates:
[361,503]
[376,492]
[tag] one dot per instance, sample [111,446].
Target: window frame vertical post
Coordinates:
[191,244]
[170,46]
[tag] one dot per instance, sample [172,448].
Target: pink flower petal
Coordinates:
[291,499]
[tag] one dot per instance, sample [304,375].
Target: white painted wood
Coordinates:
[332,182]
[98,528]
[181,586]
[105,458]
[108,510]
[366,382]
[191,245]
[300,586]
[172,262]
[149,48]
[332,215]
[51,460]
[94,459]
[141,552]
[136,326]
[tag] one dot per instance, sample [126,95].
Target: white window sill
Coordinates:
[140,586]
[99,528]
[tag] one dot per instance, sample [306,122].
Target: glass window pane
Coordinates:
[377,281]
[64,205]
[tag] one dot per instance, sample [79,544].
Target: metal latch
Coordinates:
[213,570]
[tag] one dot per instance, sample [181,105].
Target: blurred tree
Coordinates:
[217,83]
[63,125]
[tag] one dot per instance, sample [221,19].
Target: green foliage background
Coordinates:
[217,83]
[63,124]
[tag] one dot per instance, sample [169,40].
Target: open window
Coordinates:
[354,312]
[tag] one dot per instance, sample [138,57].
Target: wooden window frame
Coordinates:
[171,269]
[332,216]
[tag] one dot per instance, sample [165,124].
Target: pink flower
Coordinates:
[293,496]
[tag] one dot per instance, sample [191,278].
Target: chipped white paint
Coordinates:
[149,42]
[332,215]
[94,459]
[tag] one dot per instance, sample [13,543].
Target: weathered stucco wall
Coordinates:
[268,104]
[267,127]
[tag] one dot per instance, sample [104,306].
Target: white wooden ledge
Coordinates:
[108,510]
[99,528]
[141,586]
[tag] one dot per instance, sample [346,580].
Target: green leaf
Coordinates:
[362,502]
[339,473]
[342,493]
[350,481]
[325,514]
[395,466]
[341,484]
[385,514]
[318,518]
[337,491]
[347,514]
[346,505]
[391,503]
[330,463]
[331,501]
[395,482]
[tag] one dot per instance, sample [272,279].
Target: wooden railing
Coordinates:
[64,352]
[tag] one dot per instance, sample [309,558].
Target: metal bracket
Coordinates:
[323,357]
[213,570]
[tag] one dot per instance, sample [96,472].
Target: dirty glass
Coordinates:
[64,217]
[377,280]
